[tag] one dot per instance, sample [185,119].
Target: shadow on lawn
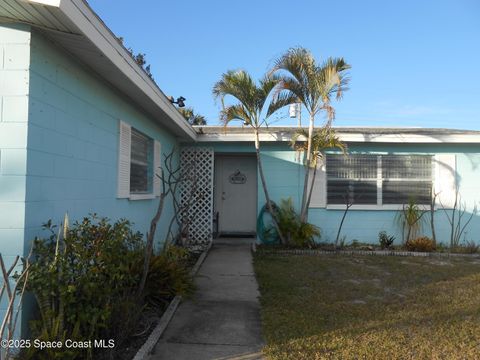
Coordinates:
[368,305]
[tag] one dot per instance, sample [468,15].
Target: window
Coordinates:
[141,163]
[138,164]
[379,179]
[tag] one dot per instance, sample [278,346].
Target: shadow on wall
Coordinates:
[284,174]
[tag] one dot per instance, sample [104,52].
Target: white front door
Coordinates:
[236,193]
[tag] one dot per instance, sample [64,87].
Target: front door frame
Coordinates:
[217,195]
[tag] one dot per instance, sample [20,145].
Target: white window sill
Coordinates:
[141,196]
[389,207]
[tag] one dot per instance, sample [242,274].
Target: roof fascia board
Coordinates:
[350,138]
[93,28]
[53,3]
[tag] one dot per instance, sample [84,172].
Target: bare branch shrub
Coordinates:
[457,220]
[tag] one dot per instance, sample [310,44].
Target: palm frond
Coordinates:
[280,100]
[322,139]
[237,84]
[235,112]
[294,142]
[299,66]
[334,77]
[313,84]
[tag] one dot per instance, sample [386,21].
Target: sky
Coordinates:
[414,62]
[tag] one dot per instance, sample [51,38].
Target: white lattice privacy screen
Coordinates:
[199,215]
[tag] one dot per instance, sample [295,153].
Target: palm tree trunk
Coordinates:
[310,191]
[305,199]
[265,190]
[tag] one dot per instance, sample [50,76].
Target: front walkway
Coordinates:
[222,321]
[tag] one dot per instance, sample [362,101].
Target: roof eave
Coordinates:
[223,135]
[143,90]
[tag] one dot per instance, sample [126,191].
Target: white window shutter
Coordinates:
[319,194]
[445,180]
[124,149]
[157,164]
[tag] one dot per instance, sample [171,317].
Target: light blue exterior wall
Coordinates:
[73,141]
[285,174]
[14,89]
[59,140]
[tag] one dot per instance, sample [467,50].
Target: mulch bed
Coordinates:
[148,322]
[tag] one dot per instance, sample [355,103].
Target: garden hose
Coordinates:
[267,235]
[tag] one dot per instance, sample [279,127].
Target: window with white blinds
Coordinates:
[378,179]
[141,165]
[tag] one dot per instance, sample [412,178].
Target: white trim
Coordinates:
[285,134]
[124,159]
[379,184]
[80,19]
[157,167]
[135,197]
[445,183]
[379,181]
[95,30]
[388,207]
[319,193]
[54,3]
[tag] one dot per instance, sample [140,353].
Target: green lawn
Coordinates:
[369,307]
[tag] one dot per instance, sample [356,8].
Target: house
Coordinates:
[385,167]
[83,127]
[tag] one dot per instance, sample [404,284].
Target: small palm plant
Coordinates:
[410,219]
[253,109]
[314,85]
[322,140]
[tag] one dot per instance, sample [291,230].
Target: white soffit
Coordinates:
[406,135]
[73,25]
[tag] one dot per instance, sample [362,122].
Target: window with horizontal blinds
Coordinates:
[405,177]
[141,165]
[378,179]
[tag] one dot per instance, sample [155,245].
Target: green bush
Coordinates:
[422,243]
[85,285]
[385,240]
[297,233]
[168,276]
[86,281]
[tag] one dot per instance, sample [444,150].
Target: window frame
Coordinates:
[380,205]
[149,164]
[125,164]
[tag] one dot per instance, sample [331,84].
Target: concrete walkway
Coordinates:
[222,321]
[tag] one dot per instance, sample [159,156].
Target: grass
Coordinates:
[368,307]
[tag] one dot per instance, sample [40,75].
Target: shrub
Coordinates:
[410,219]
[168,276]
[468,247]
[85,284]
[297,233]
[385,240]
[423,244]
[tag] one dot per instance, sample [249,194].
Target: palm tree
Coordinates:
[193,118]
[314,85]
[322,139]
[253,110]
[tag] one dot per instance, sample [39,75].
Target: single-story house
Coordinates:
[385,167]
[83,127]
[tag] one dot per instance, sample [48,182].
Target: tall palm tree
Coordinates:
[253,108]
[314,85]
[322,140]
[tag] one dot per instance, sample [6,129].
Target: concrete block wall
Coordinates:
[14,90]
[285,174]
[73,144]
